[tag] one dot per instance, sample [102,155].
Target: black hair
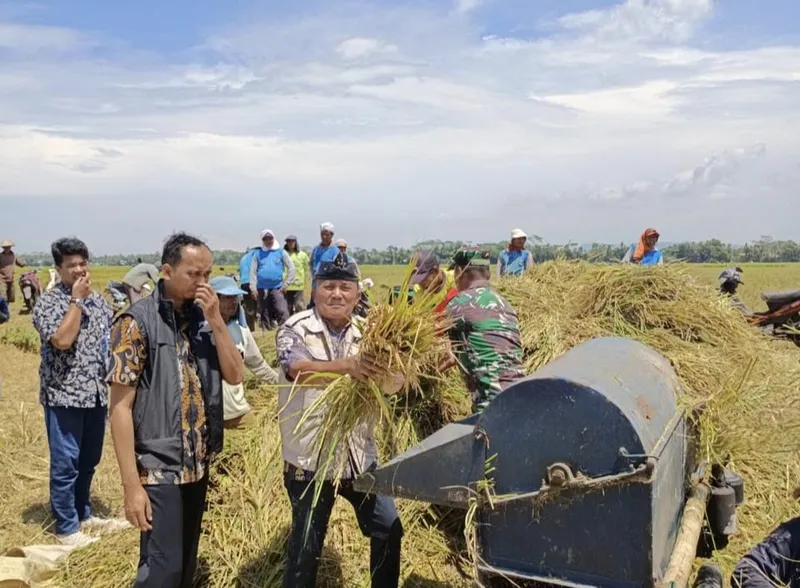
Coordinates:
[296,246]
[174,246]
[68,246]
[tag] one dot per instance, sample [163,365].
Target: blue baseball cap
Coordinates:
[226,286]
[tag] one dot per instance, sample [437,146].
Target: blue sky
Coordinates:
[577,120]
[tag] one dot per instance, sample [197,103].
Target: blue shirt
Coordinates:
[244,266]
[320,254]
[5,314]
[513,263]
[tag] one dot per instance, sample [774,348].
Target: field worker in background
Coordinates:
[74,322]
[236,410]
[324,340]
[325,251]
[137,278]
[169,356]
[729,281]
[8,261]
[484,335]
[266,272]
[515,259]
[295,290]
[5,313]
[427,276]
[645,252]
[249,303]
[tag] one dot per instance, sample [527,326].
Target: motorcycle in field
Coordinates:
[782,319]
[116,295]
[31,289]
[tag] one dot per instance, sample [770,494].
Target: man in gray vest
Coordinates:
[169,356]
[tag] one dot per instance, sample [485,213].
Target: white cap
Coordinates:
[326,226]
[266,232]
[341,243]
[518,234]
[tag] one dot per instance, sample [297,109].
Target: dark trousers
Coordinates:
[9,287]
[168,552]
[377,519]
[75,437]
[295,300]
[250,308]
[272,308]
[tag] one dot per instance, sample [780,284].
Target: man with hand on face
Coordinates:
[74,322]
[235,406]
[320,341]
[266,272]
[169,356]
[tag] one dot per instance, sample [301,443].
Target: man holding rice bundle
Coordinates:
[484,331]
[312,347]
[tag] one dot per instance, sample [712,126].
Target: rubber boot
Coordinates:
[708,576]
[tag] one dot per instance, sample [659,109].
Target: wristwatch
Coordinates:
[79,302]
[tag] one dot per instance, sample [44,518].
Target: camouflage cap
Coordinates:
[471,257]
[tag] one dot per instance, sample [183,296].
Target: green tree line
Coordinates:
[764,250]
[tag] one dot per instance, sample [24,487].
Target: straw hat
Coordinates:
[7,243]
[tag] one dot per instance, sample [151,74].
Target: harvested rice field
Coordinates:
[747,381]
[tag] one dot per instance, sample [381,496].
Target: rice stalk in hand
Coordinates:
[406,342]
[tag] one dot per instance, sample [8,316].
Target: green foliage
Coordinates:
[712,251]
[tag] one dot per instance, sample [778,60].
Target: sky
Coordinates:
[398,121]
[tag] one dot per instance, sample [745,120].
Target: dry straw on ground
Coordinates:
[747,382]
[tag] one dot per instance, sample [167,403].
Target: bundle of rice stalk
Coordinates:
[742,383]
[406,343]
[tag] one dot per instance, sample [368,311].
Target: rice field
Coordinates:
[24,514]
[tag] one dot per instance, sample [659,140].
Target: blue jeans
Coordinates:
[377,519]
[75,436]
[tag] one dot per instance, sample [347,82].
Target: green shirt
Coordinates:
[302,271]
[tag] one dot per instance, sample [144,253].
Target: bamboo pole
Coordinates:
[685,550]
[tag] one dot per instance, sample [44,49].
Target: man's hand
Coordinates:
[362,367]
[448,362]
[254,295]
[82,287]
[137,508]
[208,301]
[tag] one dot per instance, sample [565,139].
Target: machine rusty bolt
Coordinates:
[559,474]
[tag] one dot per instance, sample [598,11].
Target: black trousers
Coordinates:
[295,300]
[377,519]
[250,308]
[168,552]
[272,308]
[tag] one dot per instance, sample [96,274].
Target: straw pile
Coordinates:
[746,382]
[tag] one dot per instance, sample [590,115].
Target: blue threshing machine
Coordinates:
[593,469]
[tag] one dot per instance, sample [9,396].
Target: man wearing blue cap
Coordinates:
[236,410]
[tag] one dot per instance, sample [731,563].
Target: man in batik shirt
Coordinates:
[170,353]
[484,331]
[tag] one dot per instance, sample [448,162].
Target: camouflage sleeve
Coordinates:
[455,312]
[289,347]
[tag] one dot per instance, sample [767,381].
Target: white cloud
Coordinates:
[369,116]
[358,47]
[464,6]
[22,38]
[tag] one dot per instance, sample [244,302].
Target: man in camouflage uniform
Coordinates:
[484,330]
